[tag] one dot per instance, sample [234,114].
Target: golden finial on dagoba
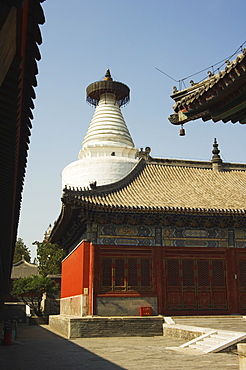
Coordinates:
[108,76]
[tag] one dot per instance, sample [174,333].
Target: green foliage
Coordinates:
[21,250]
[30,290]
[49,258]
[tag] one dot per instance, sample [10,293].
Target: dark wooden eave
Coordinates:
[69,225]
[20,38]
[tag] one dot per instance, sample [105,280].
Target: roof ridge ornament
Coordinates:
[216,159]
[144,153]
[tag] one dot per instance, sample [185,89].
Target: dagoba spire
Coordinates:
[107,127]
[108,152]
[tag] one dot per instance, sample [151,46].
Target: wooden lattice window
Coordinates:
[218,273]
[145,270]
[107,275]
[126,274]
[203,273]
[119,272]
[188,272]
[132,272]
[242,271]
[173,272]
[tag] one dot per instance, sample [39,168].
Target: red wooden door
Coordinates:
[195,284]
[242,284]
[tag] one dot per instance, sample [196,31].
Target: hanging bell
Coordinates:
[182,131]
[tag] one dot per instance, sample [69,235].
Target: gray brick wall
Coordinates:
[124,306]
[107,326]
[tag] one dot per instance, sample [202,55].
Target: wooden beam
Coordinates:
[7,43]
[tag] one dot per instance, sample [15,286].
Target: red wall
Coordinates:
[75,271]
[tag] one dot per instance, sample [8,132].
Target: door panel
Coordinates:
[196,284]
[204,291]
[242,284]
[188,284]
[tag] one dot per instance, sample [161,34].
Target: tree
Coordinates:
[30,290]
[49,258]
[21,250]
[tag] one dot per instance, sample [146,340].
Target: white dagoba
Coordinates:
[108,152]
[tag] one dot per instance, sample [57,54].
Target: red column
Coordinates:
[92,308]
[159,278]
[232,280]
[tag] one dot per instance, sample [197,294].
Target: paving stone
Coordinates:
[226,322]
[38,348]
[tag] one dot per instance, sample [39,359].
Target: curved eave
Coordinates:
[148,188]
[64,222]
[24,262]
[20,35]
[220,97]
[91,206]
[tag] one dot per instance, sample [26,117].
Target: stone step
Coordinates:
[223,336]
[207,335]
[215,342]
[194,346]
[202,344]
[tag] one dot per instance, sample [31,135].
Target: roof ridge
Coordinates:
[23,261]
[103,190]
[106,189]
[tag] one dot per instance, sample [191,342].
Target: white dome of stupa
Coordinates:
[108,151]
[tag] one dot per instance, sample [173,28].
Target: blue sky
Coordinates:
[81,39]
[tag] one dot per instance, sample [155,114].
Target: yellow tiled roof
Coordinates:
[171,185]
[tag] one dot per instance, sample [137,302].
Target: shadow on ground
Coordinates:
[39,349]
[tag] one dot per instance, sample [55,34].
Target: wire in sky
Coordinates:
[181,81]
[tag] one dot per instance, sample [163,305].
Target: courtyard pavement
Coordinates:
[38,348]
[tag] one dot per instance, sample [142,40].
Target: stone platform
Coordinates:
[98,326]
[207,333]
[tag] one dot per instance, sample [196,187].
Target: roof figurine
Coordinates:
[219,97]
